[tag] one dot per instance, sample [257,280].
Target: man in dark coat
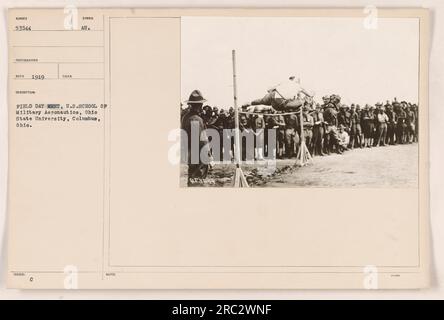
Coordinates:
[318,131]
[292,122]
[391,126]
[331,121]
[401,125]
[344,117]
[198,153]
[355,127]
[411,121]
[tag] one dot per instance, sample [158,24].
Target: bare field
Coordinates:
[381,167]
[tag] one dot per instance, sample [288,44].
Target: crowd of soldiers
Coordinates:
[330,127]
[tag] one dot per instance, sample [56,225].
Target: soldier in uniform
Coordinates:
[382,120]
[344,117]
[326,101]
[291,134]
[401,125]
[206,114]
[355,127]
[229,133]
[411,120]
[214,115]
[286,96]
[215,111]
[344,139]
[375,111]
[308,123]
[372,125]
[391,125]
[246,132]
[259,127]
[183,111]
[271,127]
[330,120]
[280,122]
[359,129]
[336,100]
[194,128]
[247,137]
[366,121]
[318,131]
[415,110]
[219,125]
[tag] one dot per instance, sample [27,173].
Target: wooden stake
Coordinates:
[236,114]
[239,178]
[303,157]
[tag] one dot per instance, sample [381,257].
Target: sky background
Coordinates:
[329,55]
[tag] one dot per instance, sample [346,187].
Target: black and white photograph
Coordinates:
[299,102]
[129,132]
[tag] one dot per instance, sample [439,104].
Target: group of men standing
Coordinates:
[330,127]
[353,126]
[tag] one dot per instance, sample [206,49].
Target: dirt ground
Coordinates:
[390,166]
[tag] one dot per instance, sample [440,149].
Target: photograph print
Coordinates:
[299,102]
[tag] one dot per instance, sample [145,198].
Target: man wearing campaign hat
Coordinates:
[326,100]
[318,131]
[291,139]
[382,121]
[344,116]
[331,122]
[410,121]
[355,127]
[336,100]
[374,122]
[193,130]
[401,126]
[308,123]
[367,120]
[415,110]
[391,125]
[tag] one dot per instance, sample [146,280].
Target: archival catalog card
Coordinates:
[218,149]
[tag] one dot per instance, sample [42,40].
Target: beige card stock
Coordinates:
[95,200]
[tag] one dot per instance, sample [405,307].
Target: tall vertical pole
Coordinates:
[236,114]
[302,147]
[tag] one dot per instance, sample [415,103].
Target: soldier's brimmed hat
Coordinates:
[195,97]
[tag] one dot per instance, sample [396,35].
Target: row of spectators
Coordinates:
[328,127]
